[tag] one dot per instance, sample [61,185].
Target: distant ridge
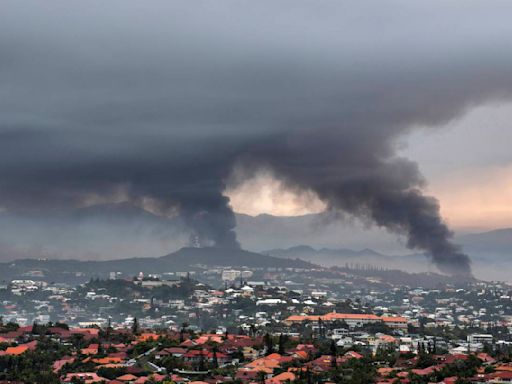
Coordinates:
[181,260]
[227,256]
[122,231]
[495,243]
[339,257]
[190,259]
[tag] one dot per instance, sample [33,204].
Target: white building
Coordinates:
[230,274]
[270,302]
[480,338]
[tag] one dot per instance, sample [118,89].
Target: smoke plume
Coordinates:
[155,105]
[361,176]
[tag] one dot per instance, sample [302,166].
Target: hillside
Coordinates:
[183,260]
[494,243]
[347,257]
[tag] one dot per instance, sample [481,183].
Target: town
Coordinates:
[255,192]
[255,325]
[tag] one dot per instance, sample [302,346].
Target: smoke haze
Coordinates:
[156,103]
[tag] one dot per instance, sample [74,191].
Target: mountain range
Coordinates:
[197,259]
[122,231]
[347,257]
[185,259]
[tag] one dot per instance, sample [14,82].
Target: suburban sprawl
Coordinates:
[246,324]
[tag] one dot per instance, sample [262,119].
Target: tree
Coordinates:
[282,342]
[334,353]
[215,361]
[35,328]
[321,328]
[184,326]
[135,326]
[108,330]
[201,361]
[268,344]
[309,379]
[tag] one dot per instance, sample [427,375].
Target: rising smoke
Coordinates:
[360,175]
[156,105]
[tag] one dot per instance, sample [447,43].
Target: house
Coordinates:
[92,349]
[395,322]
[285,377]
[195,355]
[222,358]
[108,360]
[86,377]
[271,361]
[352,319]
[148,337]
[127,378]
[58,364]
[20,349]
[247,375]
[188,343]
[14,351]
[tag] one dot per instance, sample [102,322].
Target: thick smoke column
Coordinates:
[156,106]
[358,173]
[213,226]
[168,181]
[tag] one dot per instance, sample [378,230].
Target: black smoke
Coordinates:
[155,105]
[359,174]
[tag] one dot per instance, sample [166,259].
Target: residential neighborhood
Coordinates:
[288,326]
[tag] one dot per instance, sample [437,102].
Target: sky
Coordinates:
[394,113]
[468,165]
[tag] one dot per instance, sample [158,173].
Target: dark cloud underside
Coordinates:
[162,99]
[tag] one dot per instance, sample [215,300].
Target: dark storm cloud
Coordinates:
[162,99]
